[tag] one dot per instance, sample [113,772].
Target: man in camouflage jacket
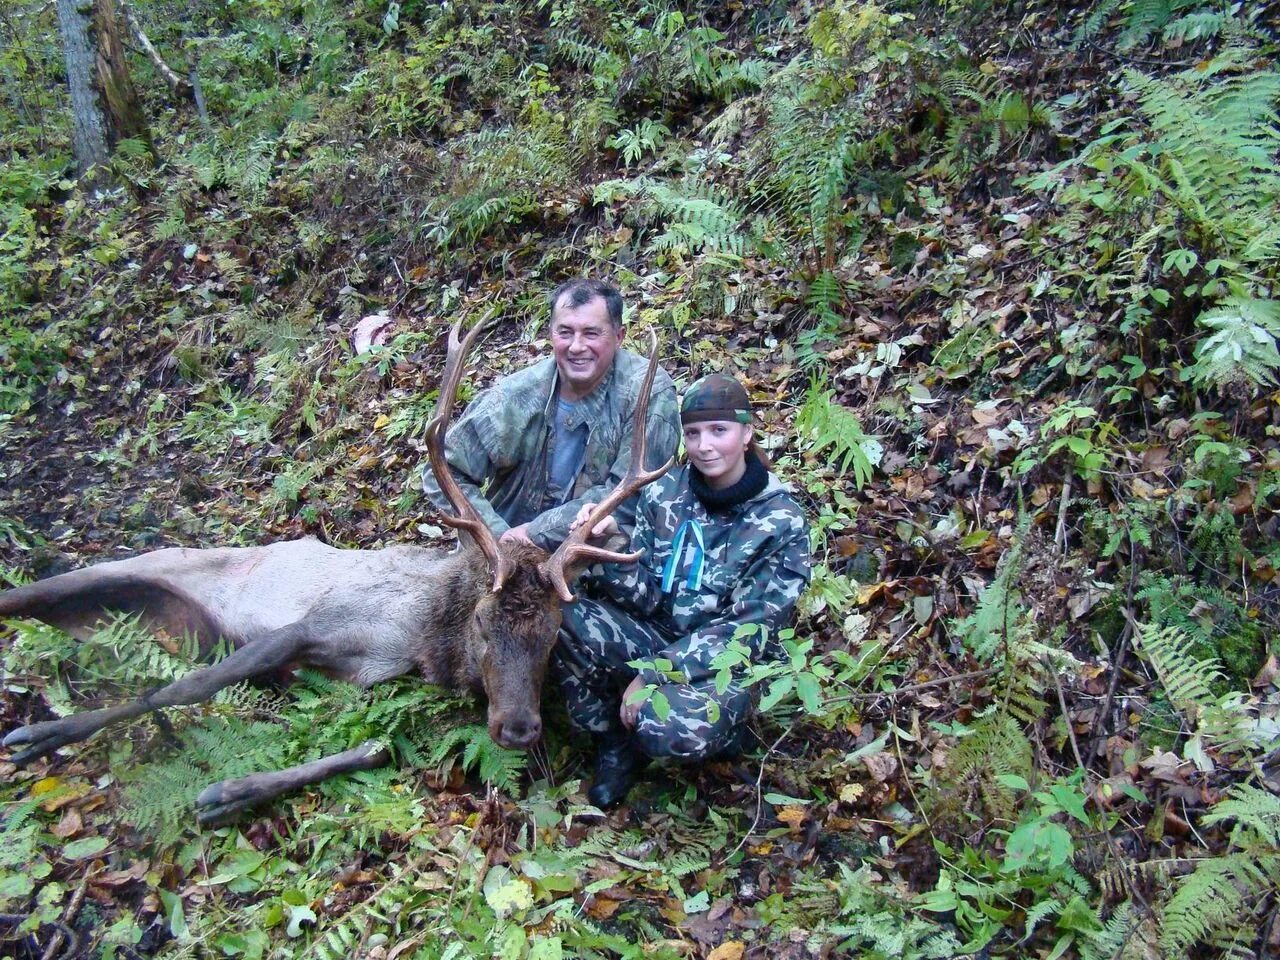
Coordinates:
[748,563]
[530,450]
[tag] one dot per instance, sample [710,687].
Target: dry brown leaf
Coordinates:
[881,766]
[602,908]
[70,824]
[793,817]
[729,950]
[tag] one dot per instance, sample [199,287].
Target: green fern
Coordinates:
[999,610]
[982,119]
[498,177]
[824,425]
[1227,722]
[1242,346]
[1216,136]
[1119,939]
[696,217]
[809,155]
[994,747]
[1217,898]
[1185,679]
[825,303]
[502,768]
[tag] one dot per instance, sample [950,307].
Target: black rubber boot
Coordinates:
[616,765]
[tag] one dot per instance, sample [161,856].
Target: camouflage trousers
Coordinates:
[597,639]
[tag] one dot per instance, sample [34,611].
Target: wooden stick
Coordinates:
[177,85]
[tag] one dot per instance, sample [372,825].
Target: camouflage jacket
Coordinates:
[755,566]
[499,448]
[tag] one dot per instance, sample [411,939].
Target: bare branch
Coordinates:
[177,85]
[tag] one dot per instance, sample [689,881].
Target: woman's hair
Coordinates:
[754,447]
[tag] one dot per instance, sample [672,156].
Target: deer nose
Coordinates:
[520,733]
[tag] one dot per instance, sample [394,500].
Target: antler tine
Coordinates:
[575,547]
[468,518]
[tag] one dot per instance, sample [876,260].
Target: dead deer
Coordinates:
[481,618]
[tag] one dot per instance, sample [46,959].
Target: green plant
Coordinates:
[694,217]
[1198,192]
[1224,722]
[1035,877]
[1073,428]
[1209,905]
[824,425]
[647,136]
[1241,347]
[809,156]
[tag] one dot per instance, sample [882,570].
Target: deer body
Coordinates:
[482,618]
[370,614]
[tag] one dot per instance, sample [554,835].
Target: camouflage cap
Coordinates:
[715,397]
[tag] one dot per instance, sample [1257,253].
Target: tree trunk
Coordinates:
[89,134]
[104,102]
[124,111]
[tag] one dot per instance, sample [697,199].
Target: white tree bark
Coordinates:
[89,134]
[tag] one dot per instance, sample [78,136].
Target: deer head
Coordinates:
[516,616]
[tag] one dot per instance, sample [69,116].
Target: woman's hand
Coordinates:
[629,712]
[605,528]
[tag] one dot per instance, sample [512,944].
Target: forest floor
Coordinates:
[981,746]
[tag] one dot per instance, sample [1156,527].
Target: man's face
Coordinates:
[584,342]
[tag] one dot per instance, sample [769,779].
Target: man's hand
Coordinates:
[629,712]
[605,528]
[518,534]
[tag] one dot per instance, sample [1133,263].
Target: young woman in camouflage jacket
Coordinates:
[725,545]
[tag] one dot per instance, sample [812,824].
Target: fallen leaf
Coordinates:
[881,766]
[729,950]
[70,824]
[372,331]
[851,792]
[602,908]
[793,816]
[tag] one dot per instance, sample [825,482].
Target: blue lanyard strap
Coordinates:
[693,580]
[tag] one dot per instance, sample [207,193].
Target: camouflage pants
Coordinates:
[590,661]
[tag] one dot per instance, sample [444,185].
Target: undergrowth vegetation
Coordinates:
[1002,280]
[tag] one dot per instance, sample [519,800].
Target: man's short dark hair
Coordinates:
[582,291]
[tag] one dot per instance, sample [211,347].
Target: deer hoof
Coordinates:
[221,803]
[41,739]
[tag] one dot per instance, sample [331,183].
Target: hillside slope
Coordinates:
[1001,280]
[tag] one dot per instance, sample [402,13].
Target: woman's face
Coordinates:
[718,449]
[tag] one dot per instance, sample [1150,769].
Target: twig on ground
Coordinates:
[68,916]
[1060,534]
[1117,658]
[755,820]
[62,931]
[915,687]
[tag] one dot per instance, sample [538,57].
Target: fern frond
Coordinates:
[698,217]
[1119,938]
[1253,809]
[1185,679]
[1215,897]
[1242,346]
[995,747]
[996,618]
[825,425]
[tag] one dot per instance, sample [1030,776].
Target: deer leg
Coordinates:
[255,659]
[222,802]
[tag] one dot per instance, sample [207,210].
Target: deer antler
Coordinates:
[575,546]
[468,517]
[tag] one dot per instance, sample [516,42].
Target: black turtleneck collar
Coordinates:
[752,481]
